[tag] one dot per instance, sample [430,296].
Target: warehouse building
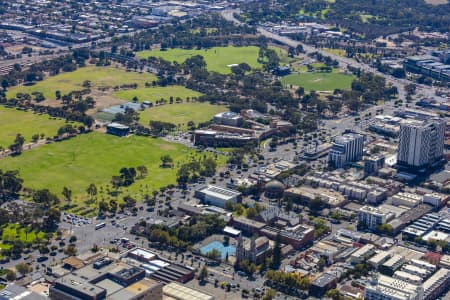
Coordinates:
[218,196]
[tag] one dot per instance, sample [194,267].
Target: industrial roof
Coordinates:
[181,292]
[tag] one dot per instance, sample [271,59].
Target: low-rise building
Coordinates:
[218,196]
[306,194]
[388,288]
[410,278]
[372,217]
[392,264]
[117,129]
[13,292]
[247,225]
[228,118]
[434,286]
[298,236]
[379,259]
[176,291]
[362,254]
[323,283]
[407,199]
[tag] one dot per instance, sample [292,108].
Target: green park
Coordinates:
[218,59]
[100,77]
[319,81]
[181,113]
[157,93]
[29,125]
[95,158]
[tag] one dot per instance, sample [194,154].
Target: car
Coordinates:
[42,258]
[53,253]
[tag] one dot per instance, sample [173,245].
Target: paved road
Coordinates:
[343,61]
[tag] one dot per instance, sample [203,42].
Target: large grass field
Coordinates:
[13,121]
[72,81]
[181,113]
[95,158]
[157,93]
[319,81]
[217,58]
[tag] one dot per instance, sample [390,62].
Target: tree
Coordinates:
[35,138]
[70,250]
[67,194]
[166,160]
[45,198]
[58,95]
[270,294]
[11,275]
[127,175]
[10,184]
[113,206]
[334,294]
[300,92]
[17,146]
[92,190]
[142,171]
[277,252]
[251,212]
[23,268]
[214,254]
[315,204]
[335,106]
[53,216]
[203,274]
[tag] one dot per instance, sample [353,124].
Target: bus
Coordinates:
[99,226]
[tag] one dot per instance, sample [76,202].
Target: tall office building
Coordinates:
[345,149]
[421,142]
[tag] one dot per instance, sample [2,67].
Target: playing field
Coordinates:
[157,93]
[181,113]
[95,158]
[73,81]
[319,81]
[13,121]
[217,59]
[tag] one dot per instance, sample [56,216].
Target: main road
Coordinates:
[427,92]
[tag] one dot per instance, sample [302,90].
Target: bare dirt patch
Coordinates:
[103,99]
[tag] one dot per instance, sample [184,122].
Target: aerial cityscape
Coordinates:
[220,149]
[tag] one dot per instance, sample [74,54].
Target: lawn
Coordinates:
[95,158]
[14,232]
[13,121]
[157,93]
[181,113]
[217,58]
[339,52]
[72,81]
[319,81]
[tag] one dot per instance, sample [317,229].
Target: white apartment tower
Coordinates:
[421,142]
[346,148]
